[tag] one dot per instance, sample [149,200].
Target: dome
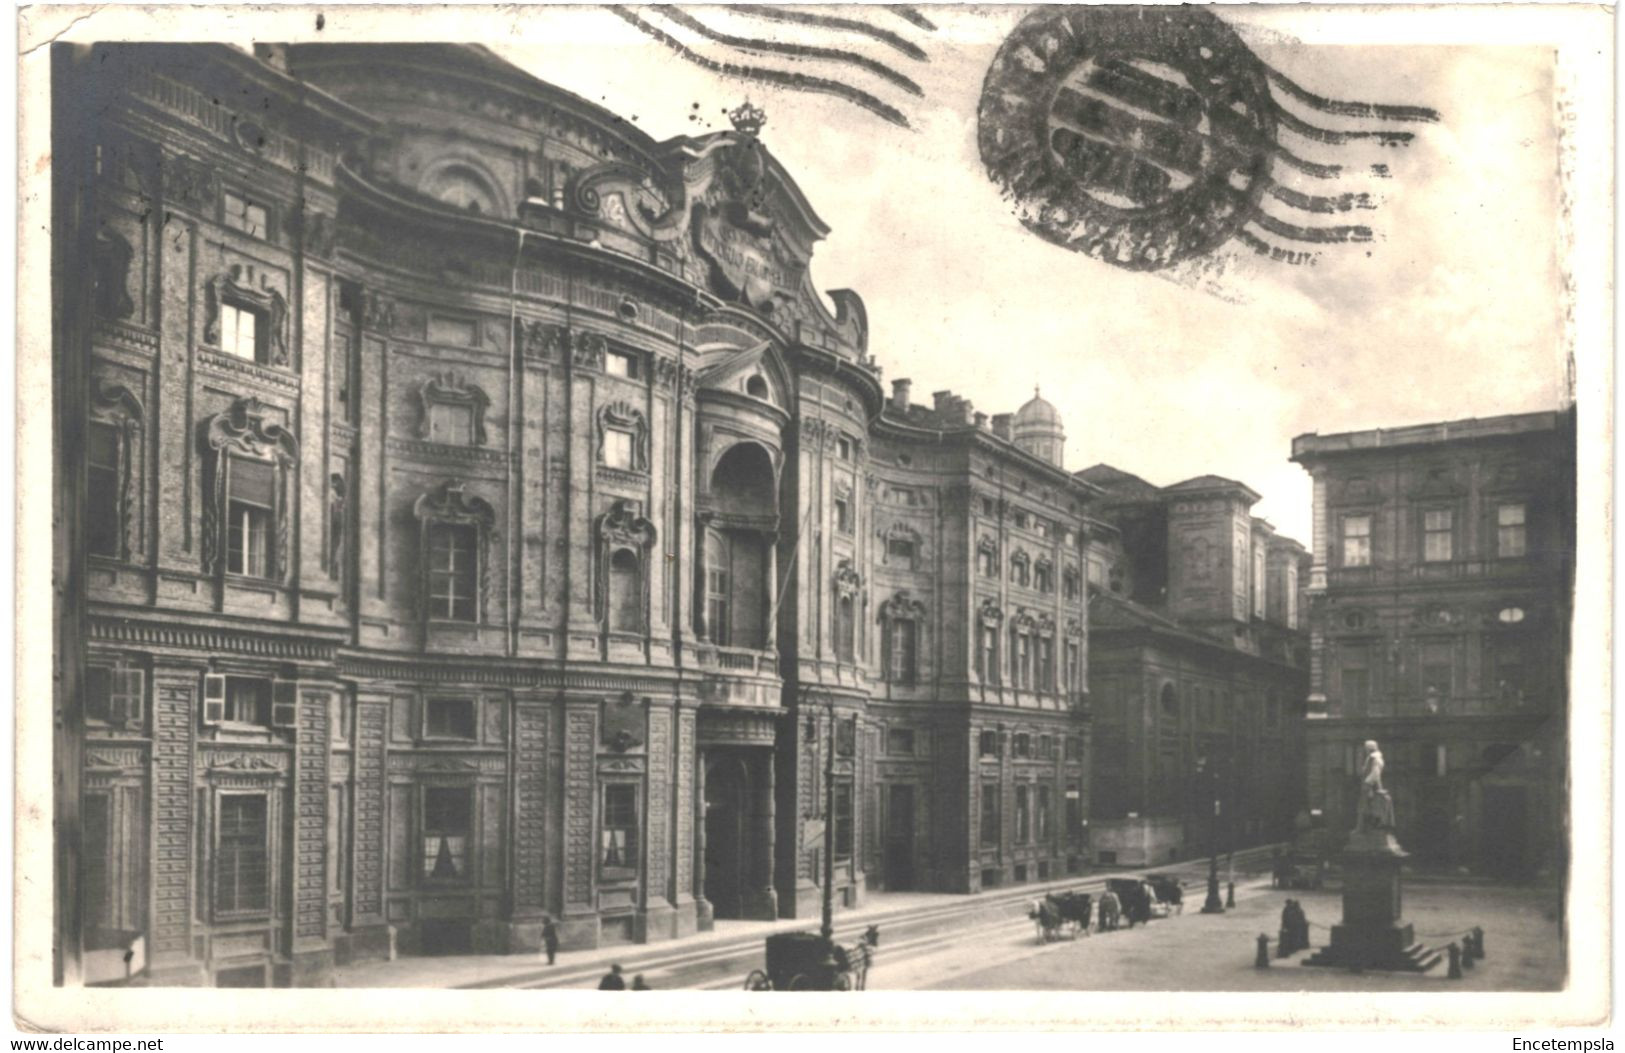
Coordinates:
[1038,411]
[1038,430]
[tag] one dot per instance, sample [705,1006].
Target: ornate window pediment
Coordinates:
[621,582]
[1074,628]
[623,437]
[463,427]
[989,613]
[237,288]
[1046,625]
[236,441]
[902,607]
[1022,621]
[847,580]
[589,351]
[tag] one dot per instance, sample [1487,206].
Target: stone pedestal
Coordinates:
[1373,934]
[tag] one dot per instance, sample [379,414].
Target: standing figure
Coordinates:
[550,938]
[1110,908]
[1376,807]
[612,980]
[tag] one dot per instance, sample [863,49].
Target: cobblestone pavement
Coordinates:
[1197,952]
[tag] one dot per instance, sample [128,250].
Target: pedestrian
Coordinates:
[612,980]
[1110,908]
[639,985]
[550,938]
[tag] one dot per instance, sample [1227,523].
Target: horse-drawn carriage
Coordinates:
[808,961]
[1169,895]
[1065,913]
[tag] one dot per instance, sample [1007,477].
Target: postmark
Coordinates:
[1147,136]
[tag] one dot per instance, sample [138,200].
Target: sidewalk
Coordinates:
[575,967]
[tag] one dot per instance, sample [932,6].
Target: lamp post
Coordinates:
[827,928]
[1213,904]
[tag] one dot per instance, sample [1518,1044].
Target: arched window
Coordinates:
[742,510]
[1020,569]
[901,617]
[756,387]
[625,592]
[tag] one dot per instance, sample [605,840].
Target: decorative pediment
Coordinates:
[623,723]
[847,580]
[1043,563]
[543,340]
[241,762]
[898,530]
[623,195]
[1046,625]
[989,613]
[1023,621]
[623,527]
[589,352]
[242,286]
[986,544]
[452,502]
[244,428]
[116,401]
[451,389]
[1074,628]
[1359,490]
[902,606]
[1437,481]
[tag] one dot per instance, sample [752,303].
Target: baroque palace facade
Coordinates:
[1440,601]
[1199,666]
[472,515]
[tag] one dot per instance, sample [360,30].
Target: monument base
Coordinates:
[1372,935]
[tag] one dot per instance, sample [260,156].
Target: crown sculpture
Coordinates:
[747,118]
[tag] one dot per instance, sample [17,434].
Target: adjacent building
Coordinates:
[479,517]
[1199,669]
[1440,599]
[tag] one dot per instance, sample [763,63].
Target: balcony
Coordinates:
[737,675]
[1452,570]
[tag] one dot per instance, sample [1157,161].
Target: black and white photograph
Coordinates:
[1047,514]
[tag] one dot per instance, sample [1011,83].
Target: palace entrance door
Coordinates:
[899,858]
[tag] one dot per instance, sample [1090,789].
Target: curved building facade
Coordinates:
[486,520]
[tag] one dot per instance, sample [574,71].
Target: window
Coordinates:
[1023,748]
[114,694]
[900,741]
[625,592]
[1046,748]
[902,495]
[1024,829]
[1021,520]
[1258,582]
[1509,671]
[1044,577]
[102,490]
[1074,667]
[453,572]
[843,515]
[1046,663]
[1074,748]
[1074,810]
[1356,683]
[96,862]
[845,628]
[987,654]
[447,819]
[1043,527]
[619,835]
[1097,572]
[716,606]
[1042,813]
[450,719]
[990,813]
[621,364]
[1438,674]
[1021,659]
[242,214]
[1510,615]
[1437,532]
[1511,537]
[1070,584]
[900,550]
[1354,620]
[1356,541]
[618,448]
[240,331]
[843,448]
[988,744]
[345,395]
[249,507]
[987,561]
[988,507]
[843,819]
[901,664]
[756,387]
[451,423]
[241,866]
[846,737]
[248,700]
[1019,569]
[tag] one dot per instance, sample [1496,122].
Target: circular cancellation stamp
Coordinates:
[1139,135]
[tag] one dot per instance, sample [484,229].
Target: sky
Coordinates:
[1453,311]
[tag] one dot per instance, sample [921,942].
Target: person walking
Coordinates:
[550,938]
[612,980]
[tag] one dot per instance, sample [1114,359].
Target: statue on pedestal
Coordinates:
[1376,807]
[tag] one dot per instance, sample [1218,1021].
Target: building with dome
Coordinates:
[474,515]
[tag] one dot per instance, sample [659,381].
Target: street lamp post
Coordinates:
[1213,904]
[827,929]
